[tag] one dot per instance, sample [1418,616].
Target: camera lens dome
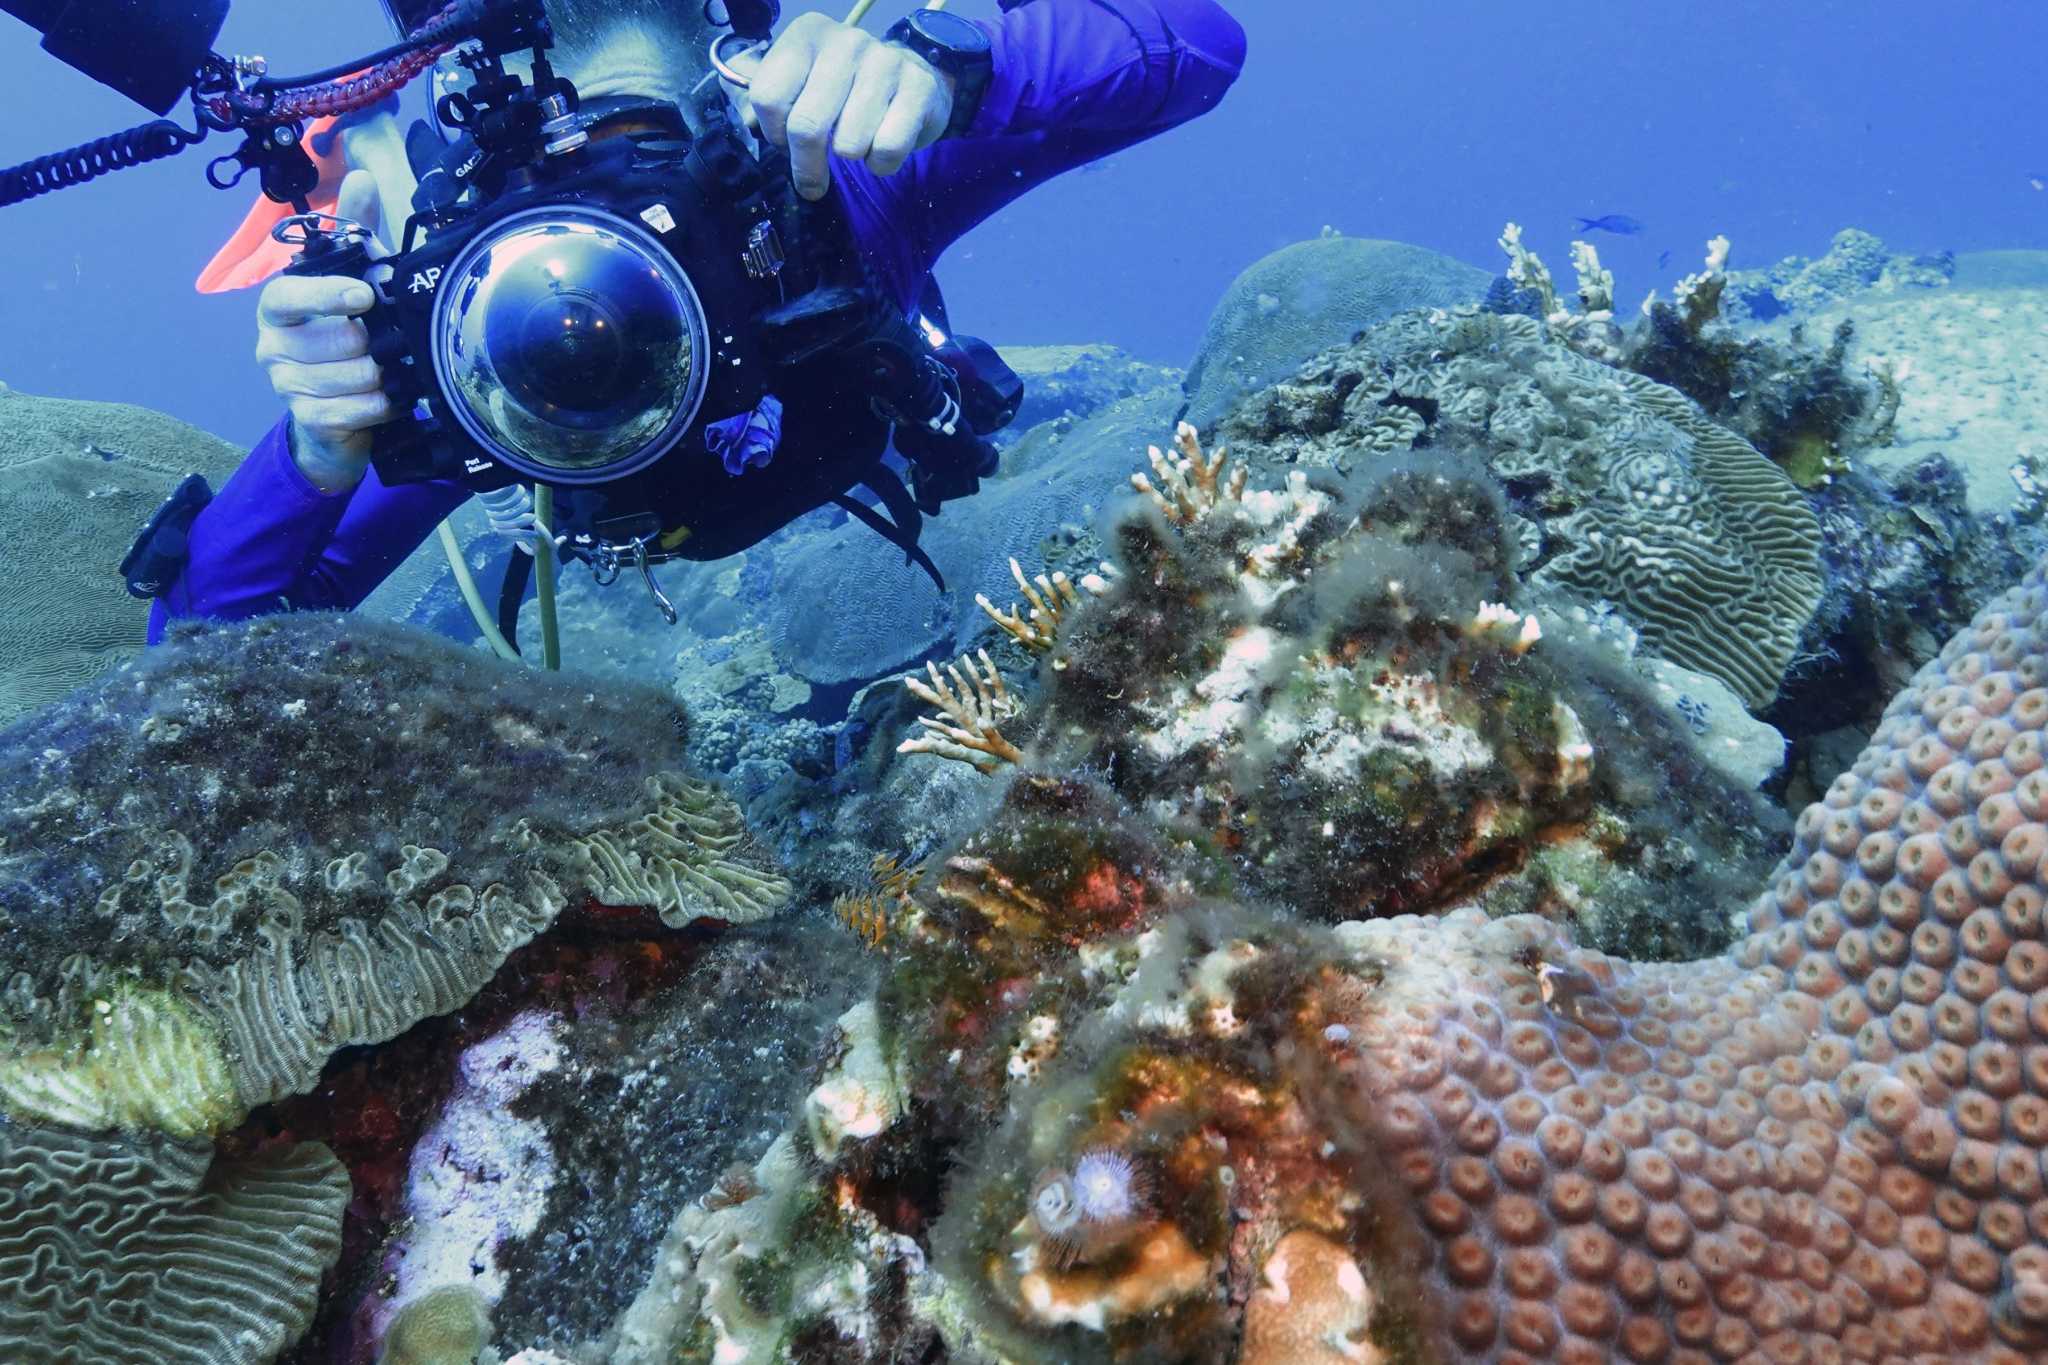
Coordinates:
[570,345]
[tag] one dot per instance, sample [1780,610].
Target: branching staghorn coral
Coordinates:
[1191,484]
[1589,331]
[972,706]
[1596,282]
[1052,599]
[1699,296]
[1527,271]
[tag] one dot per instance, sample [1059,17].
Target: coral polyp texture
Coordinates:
[1623,491]
[1827,1144]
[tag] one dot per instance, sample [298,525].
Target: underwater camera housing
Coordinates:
[570,311]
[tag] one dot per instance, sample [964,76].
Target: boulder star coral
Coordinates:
[1826,1144]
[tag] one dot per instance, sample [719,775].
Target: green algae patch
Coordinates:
[144,1060]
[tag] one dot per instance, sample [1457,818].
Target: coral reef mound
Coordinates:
[76,482]
[268,841]
[1181,1125]
[1305,298]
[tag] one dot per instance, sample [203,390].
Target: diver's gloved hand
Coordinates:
[830,89]
[317,353]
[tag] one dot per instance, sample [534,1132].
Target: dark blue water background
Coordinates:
[1775,123]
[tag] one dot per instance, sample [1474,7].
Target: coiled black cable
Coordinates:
[91,160]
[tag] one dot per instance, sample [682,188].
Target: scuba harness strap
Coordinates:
[908,521]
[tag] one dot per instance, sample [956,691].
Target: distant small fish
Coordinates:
[1618,223]
[1664,258]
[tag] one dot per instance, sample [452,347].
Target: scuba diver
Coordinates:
[894,148]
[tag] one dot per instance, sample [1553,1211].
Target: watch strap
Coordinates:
[971,73]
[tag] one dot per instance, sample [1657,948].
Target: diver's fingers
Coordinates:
[319,342]
[779,80]
[874,87]
[359,202]
[290,300]
[917,117]
[818,109]
[336,379]
[326,419]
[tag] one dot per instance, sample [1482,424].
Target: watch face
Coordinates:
[950,31]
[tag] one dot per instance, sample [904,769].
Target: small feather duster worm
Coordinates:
[1092,1209]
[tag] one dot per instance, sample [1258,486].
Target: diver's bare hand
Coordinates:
[310,340]
[827,88]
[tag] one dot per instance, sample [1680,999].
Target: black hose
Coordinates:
[434,31]
[511,594]
[271,85]
[91,160]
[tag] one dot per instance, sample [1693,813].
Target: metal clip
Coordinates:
[668,610]
[764,256]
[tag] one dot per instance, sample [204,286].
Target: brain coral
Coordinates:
[118,1250]
[267,841]
[1304,298]
[76,480]
[1634,496]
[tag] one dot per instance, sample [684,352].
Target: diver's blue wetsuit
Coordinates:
[1074,80]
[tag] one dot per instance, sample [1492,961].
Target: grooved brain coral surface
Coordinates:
[76,480]
[1827,1145]
[1706,546]
[265,841]
[116,1251]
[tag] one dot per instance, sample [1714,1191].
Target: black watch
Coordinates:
[956,47]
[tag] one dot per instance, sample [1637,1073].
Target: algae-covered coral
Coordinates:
[1342,950]
[1453,1137]
[241,855]
[1628,493]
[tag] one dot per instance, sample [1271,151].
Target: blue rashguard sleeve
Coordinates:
[1074,81]
[271,541]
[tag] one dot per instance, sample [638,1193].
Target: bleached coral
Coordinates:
[1053,598]
[1191,483]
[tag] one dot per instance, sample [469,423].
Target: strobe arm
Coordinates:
[149,50]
